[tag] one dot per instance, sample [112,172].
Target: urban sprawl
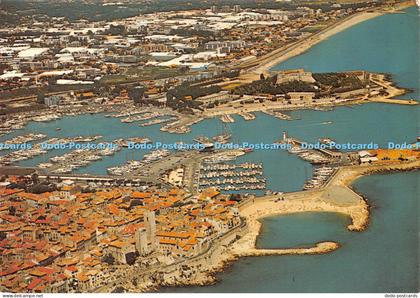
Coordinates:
[178,214]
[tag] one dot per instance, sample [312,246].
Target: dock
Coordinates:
[247,116]
[319,248]
[277,114]
[245,176]
[409,102]
[227,119]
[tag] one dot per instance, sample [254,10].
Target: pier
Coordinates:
[319,248]
[247,116]
[245,176]
[227,118]
[277,114]
[315,155]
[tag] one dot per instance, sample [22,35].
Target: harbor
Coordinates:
[362,254]
[278,114]
[232,177]
[41,148]
[18,140]
[315,156]
[133,166]
[320,177]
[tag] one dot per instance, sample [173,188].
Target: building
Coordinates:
[232,44]
[53,100]
[301,97]
[119,249]
[367,157]
[142,245]
[150,222]
[294,75]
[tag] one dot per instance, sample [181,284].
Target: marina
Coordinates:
[232,177]
[371,252]
[41,148]
[320,177]
[67,163]
[24,139]
[132,166]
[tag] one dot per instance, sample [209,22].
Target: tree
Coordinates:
[131,258]
[3,67]
[118,289]
[40,98]
[12,210]
[262,77]
[137,93]
[109,259]
[34,178]
[41,188]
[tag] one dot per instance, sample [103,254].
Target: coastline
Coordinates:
[379,78]
[266,62]
[304,201]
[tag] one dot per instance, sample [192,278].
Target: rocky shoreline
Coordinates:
[242,241]
[298,202]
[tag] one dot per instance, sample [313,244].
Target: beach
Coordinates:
[336,196]
[266,62]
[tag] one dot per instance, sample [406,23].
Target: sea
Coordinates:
[384,258]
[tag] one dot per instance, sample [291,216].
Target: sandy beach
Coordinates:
[336,196]
[282,54]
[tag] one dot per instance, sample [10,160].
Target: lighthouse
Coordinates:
[285,139]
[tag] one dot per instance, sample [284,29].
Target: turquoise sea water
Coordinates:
[381,259]
[284,171]
[385,257]
[388,43]
[395,40]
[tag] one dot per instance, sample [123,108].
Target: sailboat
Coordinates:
[224,137]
